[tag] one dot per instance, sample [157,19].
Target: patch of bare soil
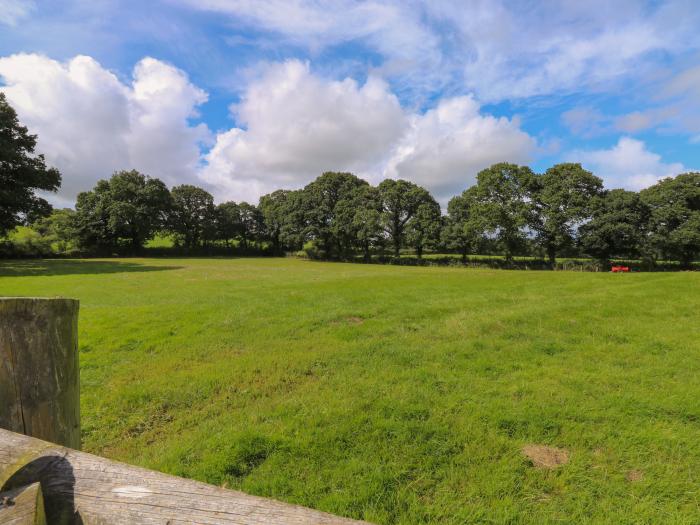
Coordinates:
[634,475]
[545,457]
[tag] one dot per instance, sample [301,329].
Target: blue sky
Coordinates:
[246,96]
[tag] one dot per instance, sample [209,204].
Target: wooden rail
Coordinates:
[47,483]
[81,488]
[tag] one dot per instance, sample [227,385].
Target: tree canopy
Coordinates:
[503,200]
[400,202]
[562,197]
[617,227]
[465,227]
[321,203]
[276,213]
[192,215]
[128,207]
[674,223]
[509,211]
[22,173]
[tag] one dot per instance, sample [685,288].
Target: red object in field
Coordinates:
[617,269]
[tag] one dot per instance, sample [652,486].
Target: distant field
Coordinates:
[394,394]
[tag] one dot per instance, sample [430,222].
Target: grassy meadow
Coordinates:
[394,394]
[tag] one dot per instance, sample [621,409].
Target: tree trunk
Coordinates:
[135,244]
[686,261]
[276,244]
[419,252]
[339,247]
[508,252]
[397,238]
[552,255]
[39,375]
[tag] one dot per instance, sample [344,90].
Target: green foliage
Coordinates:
[311,250]
[563,198]
[503,200]
[464,228]
[25,241]
[398,395]
[423,229]
[129,207]
[510,211]
[58,229]
[617,227]
[400,202]
[228,221]
[192,217]
[359,220]
[674,223]
[251,221]
[323,200]
[22,173]
[160,241]
[277,211]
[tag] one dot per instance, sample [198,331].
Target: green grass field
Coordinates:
[394,394]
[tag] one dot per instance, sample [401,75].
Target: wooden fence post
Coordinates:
[39,375]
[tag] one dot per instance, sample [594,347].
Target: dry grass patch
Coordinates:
[544,457]
[634,476]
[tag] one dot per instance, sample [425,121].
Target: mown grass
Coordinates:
[393,394]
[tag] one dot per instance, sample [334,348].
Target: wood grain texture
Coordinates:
[82,488]
[22,506]
[39,375]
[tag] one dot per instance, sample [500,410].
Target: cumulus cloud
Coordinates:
[446,147]
[12,11]
[295,125]
[90,123]
[628,164]
[291,125]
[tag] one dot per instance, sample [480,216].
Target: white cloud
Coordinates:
[628,164]
[676,109]
[90,123]
[13,11]
[585,121]
[633,122]
[396,30]
[495,48]
[447,146]
[291,126]
[297,125]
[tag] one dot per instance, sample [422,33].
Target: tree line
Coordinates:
[511,211]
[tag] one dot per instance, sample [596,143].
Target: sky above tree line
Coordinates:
[243,97]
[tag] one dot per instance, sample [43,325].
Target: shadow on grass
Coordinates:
[20,268]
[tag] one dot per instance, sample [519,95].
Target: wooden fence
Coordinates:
[48,481]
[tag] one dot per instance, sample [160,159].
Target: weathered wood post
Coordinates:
[39,376]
